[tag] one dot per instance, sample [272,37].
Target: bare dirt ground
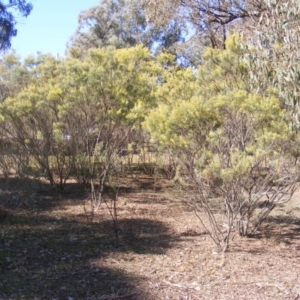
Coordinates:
[49,249]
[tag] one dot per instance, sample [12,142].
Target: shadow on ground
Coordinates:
[283,230]
[44,255]
[18,192]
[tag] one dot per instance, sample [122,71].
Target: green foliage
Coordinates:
[273,56]
[223,136]
[77,115]
[195,105]
[122,24]
[68,106]
[13,75]
[8,20]
[207,23]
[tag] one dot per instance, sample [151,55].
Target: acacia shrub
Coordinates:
[228,141]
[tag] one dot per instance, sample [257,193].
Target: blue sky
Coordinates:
[49,26]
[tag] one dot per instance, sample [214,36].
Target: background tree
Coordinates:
[209,21]
[8,20]
[122,23]
[14,75]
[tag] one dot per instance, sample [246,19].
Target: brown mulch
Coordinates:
[49,249]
